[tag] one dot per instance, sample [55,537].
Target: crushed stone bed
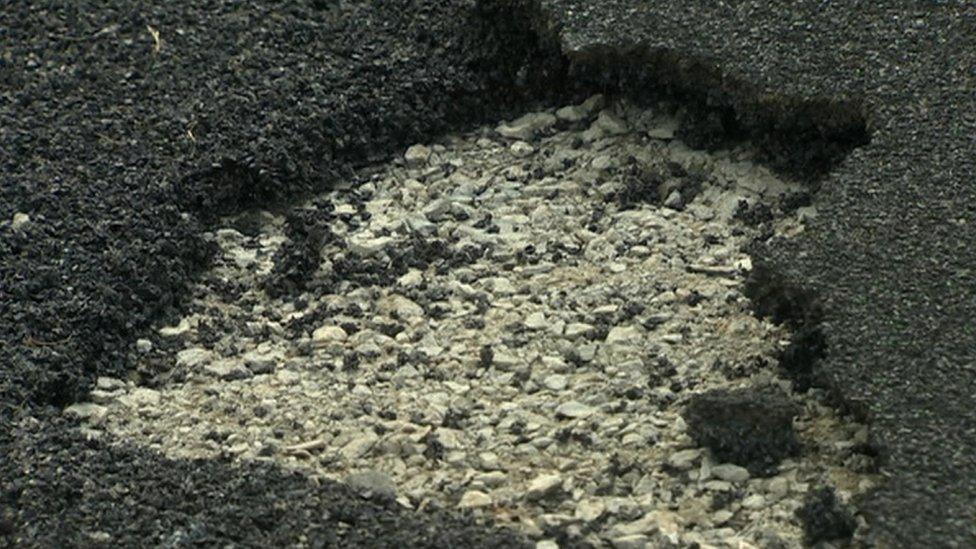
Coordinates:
[509,321]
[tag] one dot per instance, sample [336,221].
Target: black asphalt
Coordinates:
[124,129]
[891,260]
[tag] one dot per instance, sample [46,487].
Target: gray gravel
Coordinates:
[890,256]
[540,380]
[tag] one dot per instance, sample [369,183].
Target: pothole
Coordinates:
[511,321]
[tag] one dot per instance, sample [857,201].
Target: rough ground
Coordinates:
[890,257]
[124,130]
[510,321]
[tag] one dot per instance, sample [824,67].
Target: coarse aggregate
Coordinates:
[125,131]
[889,262]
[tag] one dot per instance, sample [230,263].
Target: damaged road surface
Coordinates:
[512,322]
[383,274]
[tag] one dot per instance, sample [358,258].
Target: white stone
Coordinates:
[556,382]
[571,114]
[635,541]
[19,220]
[527,127]
[536,321]
[109,383]
[731,473]
[359,446]
[411,279]
[684,459]
[474,499]
[574,410]
[589,510]
[141,397]
[624,334]
[755,501]
[521,149]
[327,335]
[417,155]
[401,306]
[366,245]
[543,485]
[194,357]
[175,331]
[502,286]
[87,410]
[491,479]
[371,483]
[610,124]
[144,345]
[505,361]
[577,329]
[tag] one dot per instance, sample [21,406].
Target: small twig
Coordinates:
[317,444]
[157,43]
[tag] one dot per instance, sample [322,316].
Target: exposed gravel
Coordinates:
[890,259]
[510,321]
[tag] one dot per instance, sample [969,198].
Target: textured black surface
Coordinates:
[106,140]
[127,497]
[107,137]
[891,257]
[751,427]
[127,128]
[824,518]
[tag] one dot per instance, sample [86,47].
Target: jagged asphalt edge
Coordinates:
[108,255]
[881,285]
[681,75]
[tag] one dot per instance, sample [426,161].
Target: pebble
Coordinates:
[328,334]
[359,446]
[368,245]
[417,155]
[19,221]
[400,306]
[144,346]
[731,473]
[521,149]
[87,410]
[141,397]
[543,486]
[590,510]
[624,334]
[556,382]
[536,321]
[610,124]
[372,484]
[574,410]
[109,383]
[684,459]
[577,329]
[527,127]
[474,499]
[755,501]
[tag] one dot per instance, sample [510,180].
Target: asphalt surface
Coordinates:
[890,262]
[124,130]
